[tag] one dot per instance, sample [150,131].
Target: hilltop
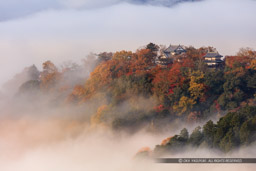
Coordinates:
[130,90]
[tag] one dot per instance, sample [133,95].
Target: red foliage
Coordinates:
[175,76]
[141,61]
[170,91]
[165,80]
[217,105]
[160,82]
[159,108]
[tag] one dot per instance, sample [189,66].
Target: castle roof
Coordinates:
[173,48]
[213,54]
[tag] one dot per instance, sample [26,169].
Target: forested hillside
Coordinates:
[231,131]
[133,92]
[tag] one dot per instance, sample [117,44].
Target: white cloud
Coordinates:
[60,35]
[87,3]
[12,9]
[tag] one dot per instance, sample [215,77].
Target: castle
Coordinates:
[178,53]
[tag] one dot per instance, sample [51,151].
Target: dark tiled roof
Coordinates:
[217,61]
[166,54]
[213,54]
[172,48]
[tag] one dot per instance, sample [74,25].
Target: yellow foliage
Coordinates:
[253,64]
[196,76]
[184,104]
[196,88]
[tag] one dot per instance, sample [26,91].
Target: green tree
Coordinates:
[184,134]
[248,131]
[209,129]
[152,47]
[196,137]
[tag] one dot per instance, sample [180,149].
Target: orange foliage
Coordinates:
[165,141]
[161,84]
[118,66]
[144,152]
[143,149]
[141,61]
[231,60]
[77,94]
[126,63]
[97,118]
[50,75]
[122,55]
[122,63]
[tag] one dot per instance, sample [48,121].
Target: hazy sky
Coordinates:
[18,8]
[33,31]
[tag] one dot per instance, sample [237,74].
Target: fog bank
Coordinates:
[68,34]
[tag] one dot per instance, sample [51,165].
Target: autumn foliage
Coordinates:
[185,89]
[182,89]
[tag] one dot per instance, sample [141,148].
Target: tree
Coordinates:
[33,72]
[27,74]
[141,61]
[161,84]
[234,61]
[98,117]
[251,83]
[29,90]
[196,54]
[248,131]
[196,137]
[49,67]
[184,104]
[214,81]
[122,55]
[104,56]
[176,143]
[197,88]
[178,73]
[153,51]
[253,64]
[50,75]
[228,142]
[246,52]
[77,94]
[152,47]
[209,129]
[235,88]
[184,134]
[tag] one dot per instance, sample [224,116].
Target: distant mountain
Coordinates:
[166,3]
[15,9]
